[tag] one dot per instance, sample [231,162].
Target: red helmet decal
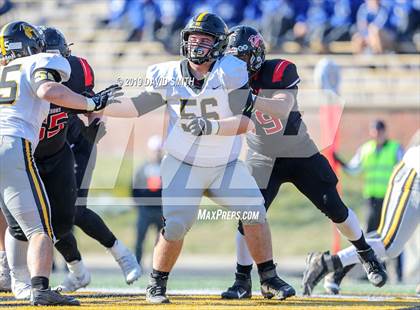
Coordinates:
[256,40]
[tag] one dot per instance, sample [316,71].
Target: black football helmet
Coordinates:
[209,24]
[55,42]
[245,40]
[19,39]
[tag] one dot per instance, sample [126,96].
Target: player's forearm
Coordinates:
[278,107]
[235,125]
[123,108]
[126,107]
[62,96]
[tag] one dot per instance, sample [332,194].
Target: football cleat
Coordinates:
[73,282]
[127,262]
[21,290]
[241,288]
[318,265]
[50,297]
[333,280]
[21,283]
[374,269]
[274,287]
[5,282]
[332,283]
[130,267]
[156,290]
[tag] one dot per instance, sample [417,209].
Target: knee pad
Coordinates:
[333,207]
[174,230]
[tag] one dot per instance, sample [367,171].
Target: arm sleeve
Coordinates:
[154,95]
[43,75]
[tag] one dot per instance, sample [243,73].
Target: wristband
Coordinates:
[214,127]
[90,105]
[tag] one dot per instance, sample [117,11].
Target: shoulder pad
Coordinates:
[54,62]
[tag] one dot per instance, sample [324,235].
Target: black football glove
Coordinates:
[94,132]
[199,126]
[103,98]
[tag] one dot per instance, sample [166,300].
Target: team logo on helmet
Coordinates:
[29,31]
[255,40]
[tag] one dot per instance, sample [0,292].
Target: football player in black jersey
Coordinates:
[83,142]
[281,150]
[56,163]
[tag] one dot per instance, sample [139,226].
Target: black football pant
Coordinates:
[312,176]
[86,219]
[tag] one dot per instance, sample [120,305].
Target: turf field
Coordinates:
[195,291]
[186,300]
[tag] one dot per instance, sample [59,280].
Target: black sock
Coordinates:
[41,283]
[266,266]
[361,244]
[159,274]
[244,269]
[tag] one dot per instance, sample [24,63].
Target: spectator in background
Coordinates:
[147,193]
[338,27]
[140,15]
[230,11]
[376,159]
[320,22]
[374,29]
[275,18]
[175,15]
[405,18]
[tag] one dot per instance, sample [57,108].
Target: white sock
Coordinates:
[350,228]
[16,251]
[348,256]
[77,267]
[242,252]
[118,250]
